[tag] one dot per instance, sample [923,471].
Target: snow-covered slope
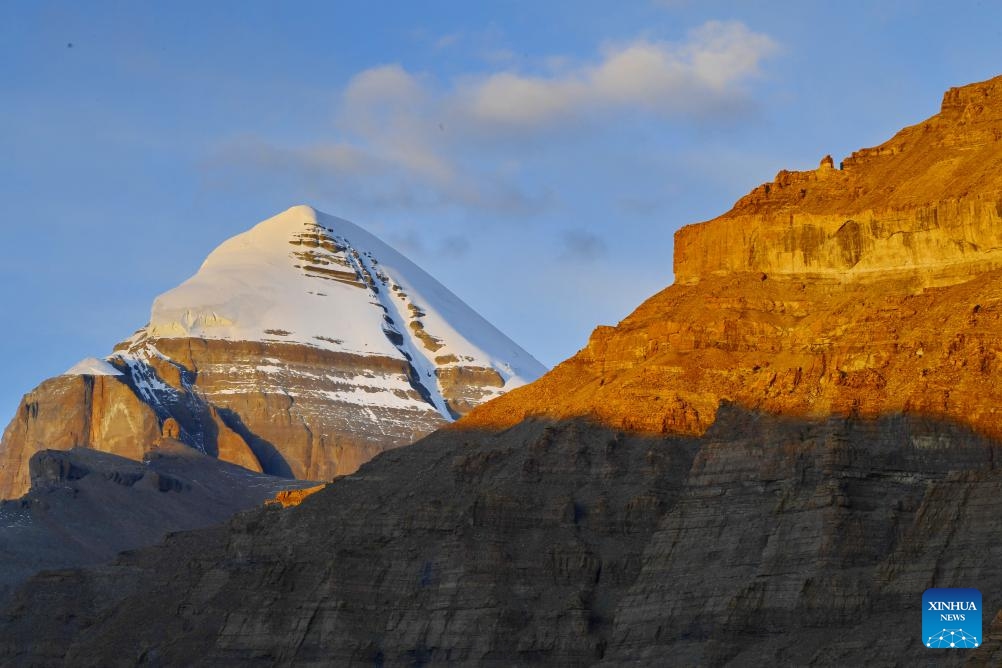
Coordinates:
[310,278]
[92,366]
[302,347]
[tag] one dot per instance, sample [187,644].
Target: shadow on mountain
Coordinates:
[86,506]
[767,540]
[272,461]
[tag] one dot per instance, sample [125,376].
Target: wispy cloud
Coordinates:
[705,71]
[582,245]
[405,139]
[448,40]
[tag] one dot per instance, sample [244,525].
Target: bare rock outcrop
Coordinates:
[922,206]
[767,539]
[85,506]
[101,412]
[766,463]
[772,309]
[301,348]
[283,408]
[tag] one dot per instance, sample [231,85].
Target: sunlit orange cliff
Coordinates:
[866,288]
[778,455]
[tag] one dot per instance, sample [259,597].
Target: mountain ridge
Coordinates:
[343,254]
[86,506]
[795,327]
[300,348]
[923,204]
[753,467]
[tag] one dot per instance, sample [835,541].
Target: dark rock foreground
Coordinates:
[766,463]
[768,541]
[85,506]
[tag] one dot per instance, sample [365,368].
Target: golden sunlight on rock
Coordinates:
[293,497]
[866,290]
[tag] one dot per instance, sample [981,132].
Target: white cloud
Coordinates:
[406,139]
[709,68]
[512,99]
[387,111]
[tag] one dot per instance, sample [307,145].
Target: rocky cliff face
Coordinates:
[923,205]
[769,461]
[802,301]
[86,506]
[301,348]
[93,411]
[799,348]
[768,539]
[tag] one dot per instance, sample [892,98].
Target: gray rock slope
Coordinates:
[85,506]
[767,541]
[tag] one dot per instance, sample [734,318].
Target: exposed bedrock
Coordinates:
[301,348]
[100,412]
[86,506]
[303,411]
[923,205]
[566,543]
[767,462]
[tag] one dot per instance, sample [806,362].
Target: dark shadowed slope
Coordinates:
[84,506]
[568,543]
[767,462]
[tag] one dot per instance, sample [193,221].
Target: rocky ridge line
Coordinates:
[754,467]
[301,348]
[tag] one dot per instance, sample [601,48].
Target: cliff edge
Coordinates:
[767,463]
[866,290]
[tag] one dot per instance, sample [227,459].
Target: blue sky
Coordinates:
[535,157]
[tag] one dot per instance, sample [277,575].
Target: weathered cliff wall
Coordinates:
[99,412]
[565,543]
[767,462]
[924,204]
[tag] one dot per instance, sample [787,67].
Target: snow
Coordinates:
[92,366]
[309,278]
[151,388]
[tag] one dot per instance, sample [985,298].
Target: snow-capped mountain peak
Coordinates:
[308,278]
[302,347]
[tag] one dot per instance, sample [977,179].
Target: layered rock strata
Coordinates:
[86,506]
[101,412]
[767,539]
[301,348]
[794,302]
[923,205]
[767,462]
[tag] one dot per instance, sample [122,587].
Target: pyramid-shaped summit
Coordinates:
[309,278]
[301,347]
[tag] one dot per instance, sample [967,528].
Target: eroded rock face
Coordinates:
[804,349]
[923,205]
[773,309]
[569,544]
[752,468]
[450,525]
[301,348]
[85,506]
[100,412]
[464,387]
[292,410]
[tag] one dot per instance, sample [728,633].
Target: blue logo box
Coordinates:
[951,618]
